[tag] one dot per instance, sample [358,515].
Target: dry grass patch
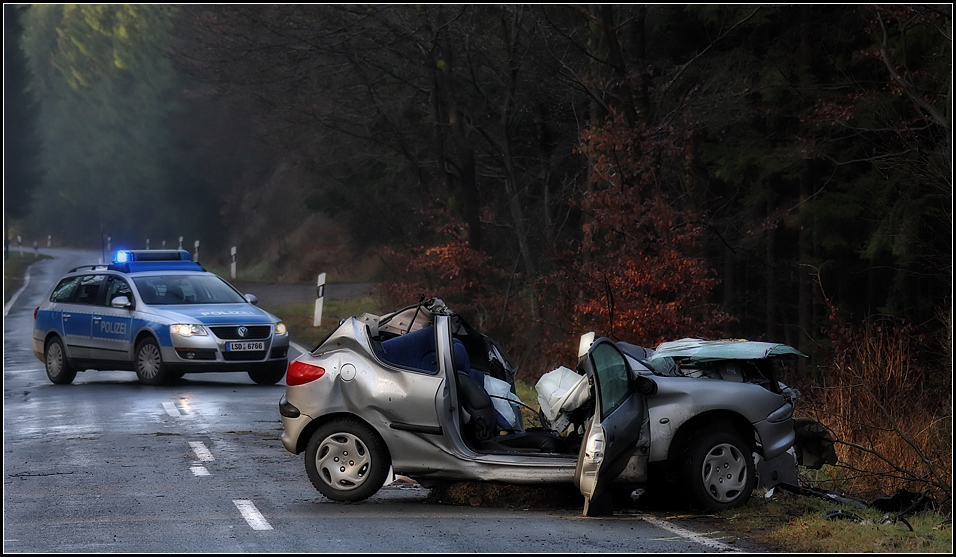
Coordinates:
[889,406]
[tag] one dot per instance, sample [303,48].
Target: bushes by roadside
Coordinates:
[886,394]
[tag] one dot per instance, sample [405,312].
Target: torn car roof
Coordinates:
[709,350]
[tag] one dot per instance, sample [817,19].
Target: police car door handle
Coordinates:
[66,316]
[97,318]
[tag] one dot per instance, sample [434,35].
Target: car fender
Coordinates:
[680,400]
[393,404]
[40,340]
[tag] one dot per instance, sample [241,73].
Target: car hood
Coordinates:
[712,350]
[218,314]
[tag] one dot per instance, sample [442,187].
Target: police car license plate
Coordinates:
[244,346]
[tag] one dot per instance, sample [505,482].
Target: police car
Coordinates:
[160,314]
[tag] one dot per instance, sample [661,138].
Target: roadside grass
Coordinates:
[298,318]
[783,523]
[796,524]
[14,270]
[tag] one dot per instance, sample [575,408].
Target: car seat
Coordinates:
[414,350]
[481,423]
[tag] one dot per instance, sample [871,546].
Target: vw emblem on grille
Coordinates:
[243,331]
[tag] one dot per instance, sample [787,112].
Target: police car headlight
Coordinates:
[187,330]
[280,328]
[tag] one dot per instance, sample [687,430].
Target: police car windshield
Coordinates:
[186,289]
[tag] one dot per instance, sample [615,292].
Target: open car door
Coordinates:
[614,431]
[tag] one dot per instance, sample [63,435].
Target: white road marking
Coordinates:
[199,471]
[689,535]
[202,453]
[26,282]
[172,410]
[251,514]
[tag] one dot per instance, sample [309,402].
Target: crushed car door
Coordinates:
[613,432]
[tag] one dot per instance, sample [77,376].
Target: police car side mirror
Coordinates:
[120,302]
[251,298]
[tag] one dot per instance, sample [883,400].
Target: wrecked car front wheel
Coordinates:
[718,470]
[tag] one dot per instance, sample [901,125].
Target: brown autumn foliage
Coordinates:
[637,273]
[888,403]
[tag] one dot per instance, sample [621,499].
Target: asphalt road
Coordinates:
[107,465]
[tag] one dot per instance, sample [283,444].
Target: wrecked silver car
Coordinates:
[420,393]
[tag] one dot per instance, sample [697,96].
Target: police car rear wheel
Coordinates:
[149,363]
[58,369]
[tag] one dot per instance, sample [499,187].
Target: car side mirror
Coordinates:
[120,302]
[645,386]
[252,299]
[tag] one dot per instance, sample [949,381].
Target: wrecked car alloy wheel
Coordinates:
[346,461]
[718,470]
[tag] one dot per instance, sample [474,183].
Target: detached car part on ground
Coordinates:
[422,393]
[160,314]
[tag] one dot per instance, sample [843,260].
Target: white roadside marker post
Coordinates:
[319,298]
[196,253]
[232,266]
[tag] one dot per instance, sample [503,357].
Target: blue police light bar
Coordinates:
[126,256]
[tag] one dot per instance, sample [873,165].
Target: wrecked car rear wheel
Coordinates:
[346,460]
[718,470]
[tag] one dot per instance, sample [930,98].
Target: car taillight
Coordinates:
[301,372]
[35,313]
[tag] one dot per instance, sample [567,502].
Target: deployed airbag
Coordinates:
[560,391]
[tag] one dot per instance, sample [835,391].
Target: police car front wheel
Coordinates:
[149,363]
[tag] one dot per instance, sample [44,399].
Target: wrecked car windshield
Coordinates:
[662,366]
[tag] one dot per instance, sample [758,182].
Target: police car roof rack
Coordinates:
[97,267]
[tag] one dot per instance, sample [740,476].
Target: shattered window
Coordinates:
[662,366]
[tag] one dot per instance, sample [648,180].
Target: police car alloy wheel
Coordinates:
[149,363]
[58,369]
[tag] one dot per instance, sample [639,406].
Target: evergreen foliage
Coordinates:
[21,143]
[106,83]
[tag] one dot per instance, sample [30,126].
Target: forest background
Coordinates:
[779,173]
